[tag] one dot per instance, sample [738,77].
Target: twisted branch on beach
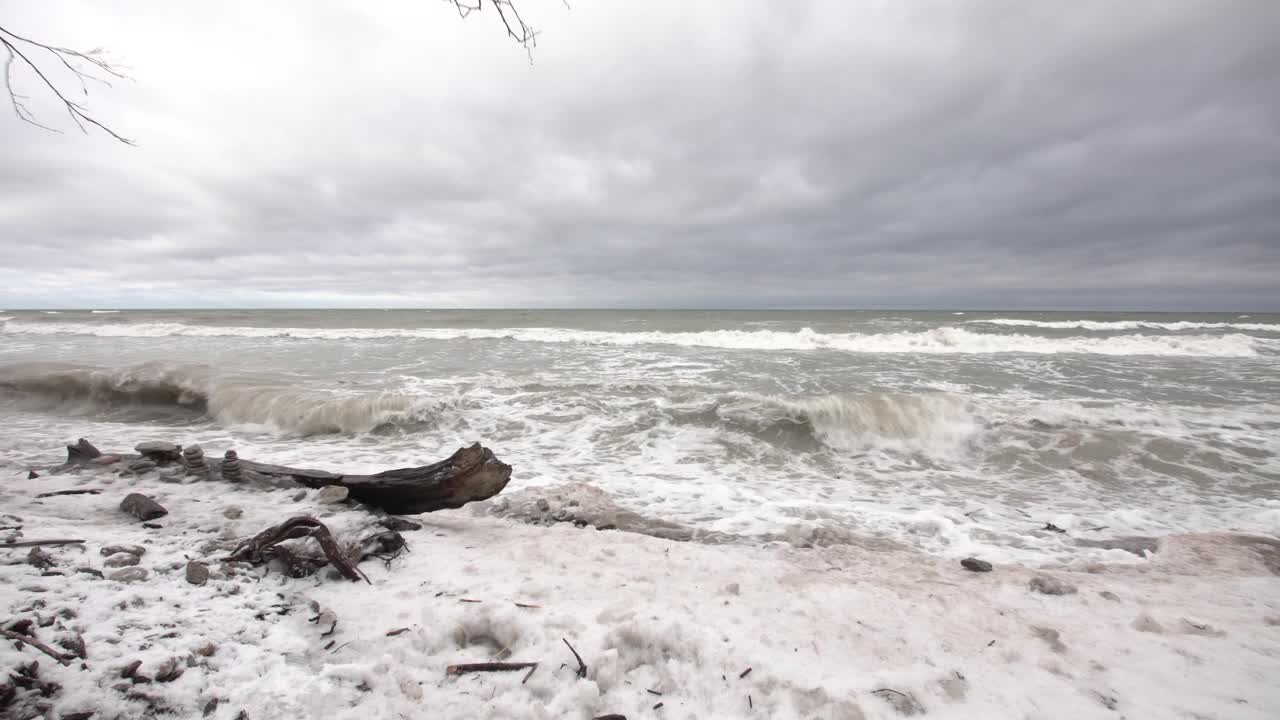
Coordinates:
[261,547]
[20,638]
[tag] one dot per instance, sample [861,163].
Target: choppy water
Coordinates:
[955,433]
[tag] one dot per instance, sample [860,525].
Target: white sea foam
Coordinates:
[104,312]
[1131,325]
[948,340]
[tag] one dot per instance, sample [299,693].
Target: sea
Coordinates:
[1014,436]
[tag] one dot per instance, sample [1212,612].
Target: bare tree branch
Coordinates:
[86,67]
[517,29]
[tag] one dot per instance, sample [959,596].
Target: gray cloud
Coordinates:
[823,153]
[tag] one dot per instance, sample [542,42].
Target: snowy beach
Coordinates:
[665,628]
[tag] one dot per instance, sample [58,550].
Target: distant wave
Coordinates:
[104,312]
[1130,325]
[845,421]
[198,392]
[948,340]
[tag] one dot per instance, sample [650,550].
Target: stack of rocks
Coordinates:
[231,467]
[194,458]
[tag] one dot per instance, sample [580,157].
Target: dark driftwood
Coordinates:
[470,474]
[69,492]
[463,668]
[142,507]
[263,546]
[37,543]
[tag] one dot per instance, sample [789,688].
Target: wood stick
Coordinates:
[487,667]
[60,657]
[582,667]
[69,492]
[33,543]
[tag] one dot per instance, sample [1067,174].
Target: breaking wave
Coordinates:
[846,421]
[1130,325]
[195,392]
[947,340]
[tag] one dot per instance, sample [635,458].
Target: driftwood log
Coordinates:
[470,474]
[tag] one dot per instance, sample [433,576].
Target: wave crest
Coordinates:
[946,340]
[194,392]
[1103,325]
[937,421]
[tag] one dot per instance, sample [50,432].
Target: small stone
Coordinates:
[142,507]
[300,496]
[207,650]
[1146,623]
[131,549]
[197,573]
[1108,595]
[89,571]
[543,505]
[169,670]
[399,524]
[32,474]
[129,574]
[211,707]
[130,670]
[39,558]
[142,465]
[120,560]
[332,494]
[732,589]
[975,565]
[232,513]
[171,477]
[73,644]
[1049,585]
[152,526]
[161,452]
[21,626]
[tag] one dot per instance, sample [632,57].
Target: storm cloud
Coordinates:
[825,153]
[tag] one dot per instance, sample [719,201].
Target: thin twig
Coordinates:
[69,492]
[463,668]
[32,543]
[18,637]
[582,667]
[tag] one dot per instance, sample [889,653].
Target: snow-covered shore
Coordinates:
[667,629]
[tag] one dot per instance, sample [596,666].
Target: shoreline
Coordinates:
[821,629]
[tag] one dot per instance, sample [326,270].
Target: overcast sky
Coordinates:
[657,153]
